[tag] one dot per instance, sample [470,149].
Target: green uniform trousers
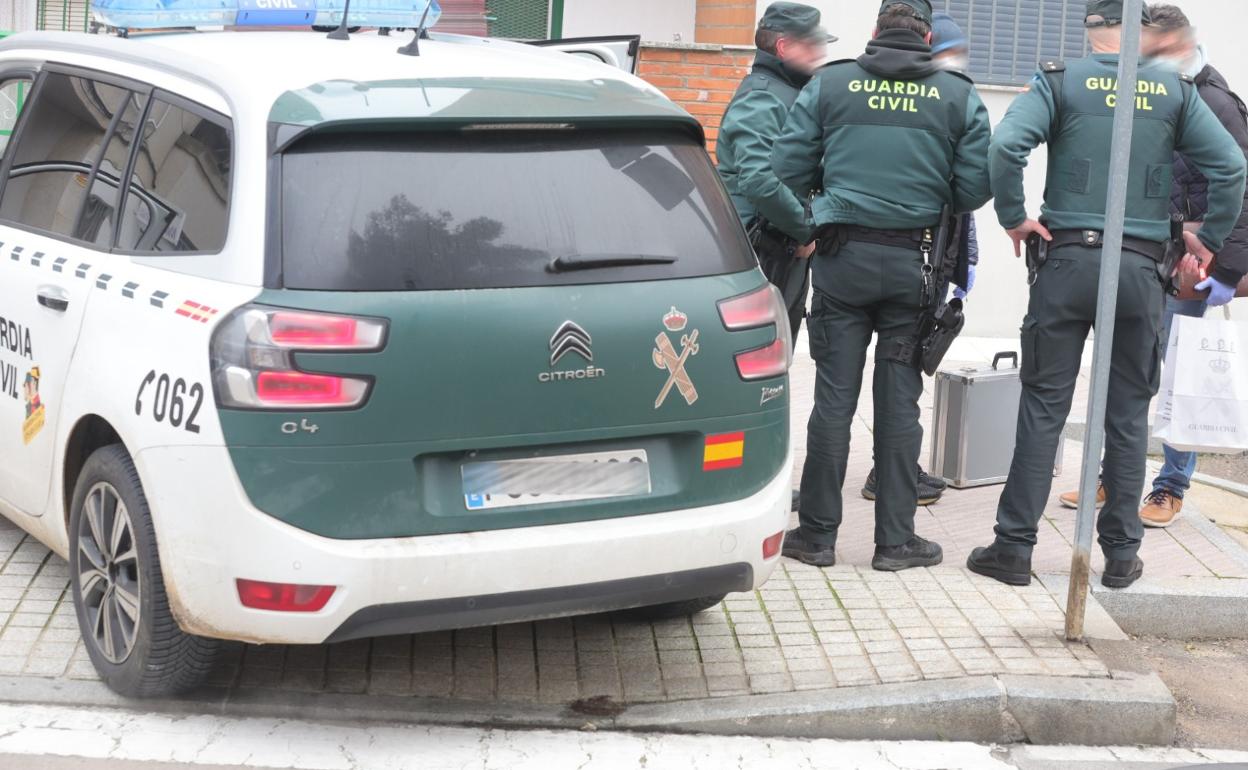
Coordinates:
[1061,312]
[861,289]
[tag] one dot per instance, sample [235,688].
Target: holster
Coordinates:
[769,242]
[944,327]
[940,323]
[830,240]
[1176,249]
[1037,254]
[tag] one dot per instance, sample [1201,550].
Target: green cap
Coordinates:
[1108,13]
[794,20]
[922,8]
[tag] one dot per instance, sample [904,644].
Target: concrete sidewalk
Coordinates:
[963,520]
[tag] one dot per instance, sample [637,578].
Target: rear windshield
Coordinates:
[502,208]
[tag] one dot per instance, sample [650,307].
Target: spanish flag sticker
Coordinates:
[726,450]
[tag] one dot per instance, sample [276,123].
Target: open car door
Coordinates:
[617,51]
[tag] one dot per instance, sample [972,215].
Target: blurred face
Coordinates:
[1177,47]
[956,59]
[803,55]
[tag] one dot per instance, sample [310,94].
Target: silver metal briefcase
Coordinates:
[974,422]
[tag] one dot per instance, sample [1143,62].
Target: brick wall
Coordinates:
[699,77]
[726,22]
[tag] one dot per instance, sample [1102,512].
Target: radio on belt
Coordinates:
[167,14]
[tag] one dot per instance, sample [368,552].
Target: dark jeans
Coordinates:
[862,289]
[1059,317]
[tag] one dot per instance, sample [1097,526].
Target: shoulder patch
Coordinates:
[1053,66]
[1186,78]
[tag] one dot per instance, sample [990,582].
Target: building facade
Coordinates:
[697,51]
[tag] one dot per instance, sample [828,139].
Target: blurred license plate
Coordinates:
[558,479]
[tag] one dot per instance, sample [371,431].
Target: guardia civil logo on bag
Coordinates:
[1203,401]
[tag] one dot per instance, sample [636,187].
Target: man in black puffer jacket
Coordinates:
[1174,38]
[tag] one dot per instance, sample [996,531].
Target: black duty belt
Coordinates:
[1093,239]
[901,238]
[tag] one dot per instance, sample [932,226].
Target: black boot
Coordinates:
[796,546]
[930,488]
[1121,573]
[1011,569]
[917,552]
[928,481]
[797,500]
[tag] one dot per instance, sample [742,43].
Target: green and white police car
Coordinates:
[306,340]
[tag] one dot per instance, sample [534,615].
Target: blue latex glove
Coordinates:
[1219,293]
[960,292]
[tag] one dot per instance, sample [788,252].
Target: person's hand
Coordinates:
[1019,234]
[1219,293]
[1197,248]
[960,292]
[804,252]
[1190,270]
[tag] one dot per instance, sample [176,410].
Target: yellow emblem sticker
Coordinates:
[34,407]
[665,357]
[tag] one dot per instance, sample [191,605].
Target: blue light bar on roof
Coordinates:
[166,14]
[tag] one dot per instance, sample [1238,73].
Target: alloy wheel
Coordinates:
[108,572]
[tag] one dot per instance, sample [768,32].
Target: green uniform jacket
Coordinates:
[1170,117]
[890,138]
[753,120]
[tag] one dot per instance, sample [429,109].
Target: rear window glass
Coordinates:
[494,209]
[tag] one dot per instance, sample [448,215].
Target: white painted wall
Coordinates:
[17,15]
[660,21]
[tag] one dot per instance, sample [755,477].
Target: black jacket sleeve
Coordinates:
[1233,259]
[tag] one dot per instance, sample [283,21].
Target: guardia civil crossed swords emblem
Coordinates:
[665,357]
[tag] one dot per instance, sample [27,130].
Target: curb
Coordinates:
[1127,709]
[1188,607]
[1233,487]
[1180,608]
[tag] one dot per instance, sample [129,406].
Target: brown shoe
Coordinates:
[1071,499]
[1161,509]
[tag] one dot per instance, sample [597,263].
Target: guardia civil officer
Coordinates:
[791,44]
[889,140]
[1070,106]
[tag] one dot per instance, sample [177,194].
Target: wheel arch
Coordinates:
[90,433]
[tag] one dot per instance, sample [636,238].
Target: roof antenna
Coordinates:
[341,32]
[413,48]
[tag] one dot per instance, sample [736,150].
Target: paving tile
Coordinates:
[720,654]
[728,685]
[760,667]
[768,683]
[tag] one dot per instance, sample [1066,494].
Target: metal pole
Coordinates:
[1106,310]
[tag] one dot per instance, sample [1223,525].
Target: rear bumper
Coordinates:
[210,535]
[469,611]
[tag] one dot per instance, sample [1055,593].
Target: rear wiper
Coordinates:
[600,261]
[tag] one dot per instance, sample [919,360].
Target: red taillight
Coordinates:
[771,546]
[763,307]
[255,366]
[283,597]
[314,330]
[298,388]
[750,311]
[765,362]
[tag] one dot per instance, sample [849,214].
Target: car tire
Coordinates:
[115,575]
[676,609]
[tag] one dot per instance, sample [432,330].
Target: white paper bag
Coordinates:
[1203,401]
